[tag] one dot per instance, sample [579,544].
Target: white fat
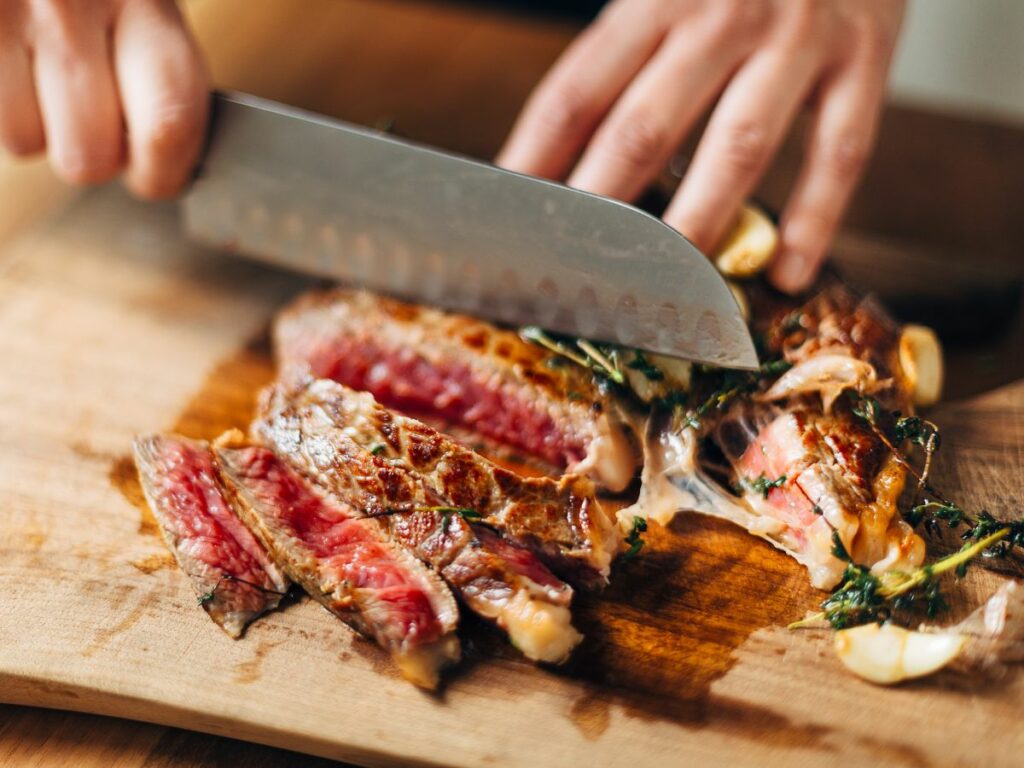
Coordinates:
[422,666]
[540,630]
[672,482]
[826,374]
[610,459]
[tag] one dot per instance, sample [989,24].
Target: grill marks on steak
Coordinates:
[559,519]
[346,562]
[231,573]
[318,430]
[421,360]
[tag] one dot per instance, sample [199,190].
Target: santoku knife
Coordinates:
[321,196]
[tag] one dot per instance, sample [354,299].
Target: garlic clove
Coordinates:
[749,246]
[920,354]
[888,654]
[741,298]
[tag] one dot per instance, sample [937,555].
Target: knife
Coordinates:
[317,195]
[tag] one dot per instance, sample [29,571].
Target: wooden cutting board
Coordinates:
[111,325]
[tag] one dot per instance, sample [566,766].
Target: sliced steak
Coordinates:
[496,579]
[330,428]
[424,361]
[232,575]
[347,562]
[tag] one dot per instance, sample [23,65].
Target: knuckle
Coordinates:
[54,20]
[873,38]
[82,169]
[639,140]
[173,127]
[562,108]
[737,20]
[844,158]
[744,148]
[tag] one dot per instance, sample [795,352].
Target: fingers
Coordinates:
[659,108]
[570,101]
[77,98]
[839,145]
[165,97]
[21,127]
[743,134]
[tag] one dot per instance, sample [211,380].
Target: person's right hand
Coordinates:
[104,86]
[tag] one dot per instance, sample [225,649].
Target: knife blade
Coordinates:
[324,197]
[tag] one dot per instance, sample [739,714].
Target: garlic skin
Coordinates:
[886,654]
[826,374]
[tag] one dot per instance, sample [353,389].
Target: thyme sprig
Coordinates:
[762,484]
[863,596]
[645,366]
[602,363]
[938,509]
[733,385]
[635,537]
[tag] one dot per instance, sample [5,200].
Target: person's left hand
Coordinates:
[612,111]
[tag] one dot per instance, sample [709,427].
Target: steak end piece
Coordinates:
[497,579]
[461,369]
[234,578]
[347,562]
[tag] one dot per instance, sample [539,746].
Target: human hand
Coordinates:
[622,98]
[103,86]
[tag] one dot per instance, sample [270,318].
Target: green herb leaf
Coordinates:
[763,485]
[635,537]
[645,366]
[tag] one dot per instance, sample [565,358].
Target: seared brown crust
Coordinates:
[838,321]
[398,463]
[422,360]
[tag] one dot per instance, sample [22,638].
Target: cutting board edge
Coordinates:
[56,693]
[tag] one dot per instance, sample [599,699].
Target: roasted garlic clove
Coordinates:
[920,354]
[741,298]
[652,376]
[887,653]
[749,246]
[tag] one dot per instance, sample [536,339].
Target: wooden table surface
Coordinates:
[452,76]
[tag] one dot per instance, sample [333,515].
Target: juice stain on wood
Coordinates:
[125,478]
[656,639]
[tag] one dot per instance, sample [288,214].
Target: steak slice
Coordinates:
[232,575]
[421,360]
[496,579]
[346,562]
[332,429]
[821,475]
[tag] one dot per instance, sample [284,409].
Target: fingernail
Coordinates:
[793,271]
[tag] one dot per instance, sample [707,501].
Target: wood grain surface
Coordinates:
[110,325]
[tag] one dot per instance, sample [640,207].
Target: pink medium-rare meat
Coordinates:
[818,475]
[422,360]
[495,579]
[559,519]
[232,575]
[347,562]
